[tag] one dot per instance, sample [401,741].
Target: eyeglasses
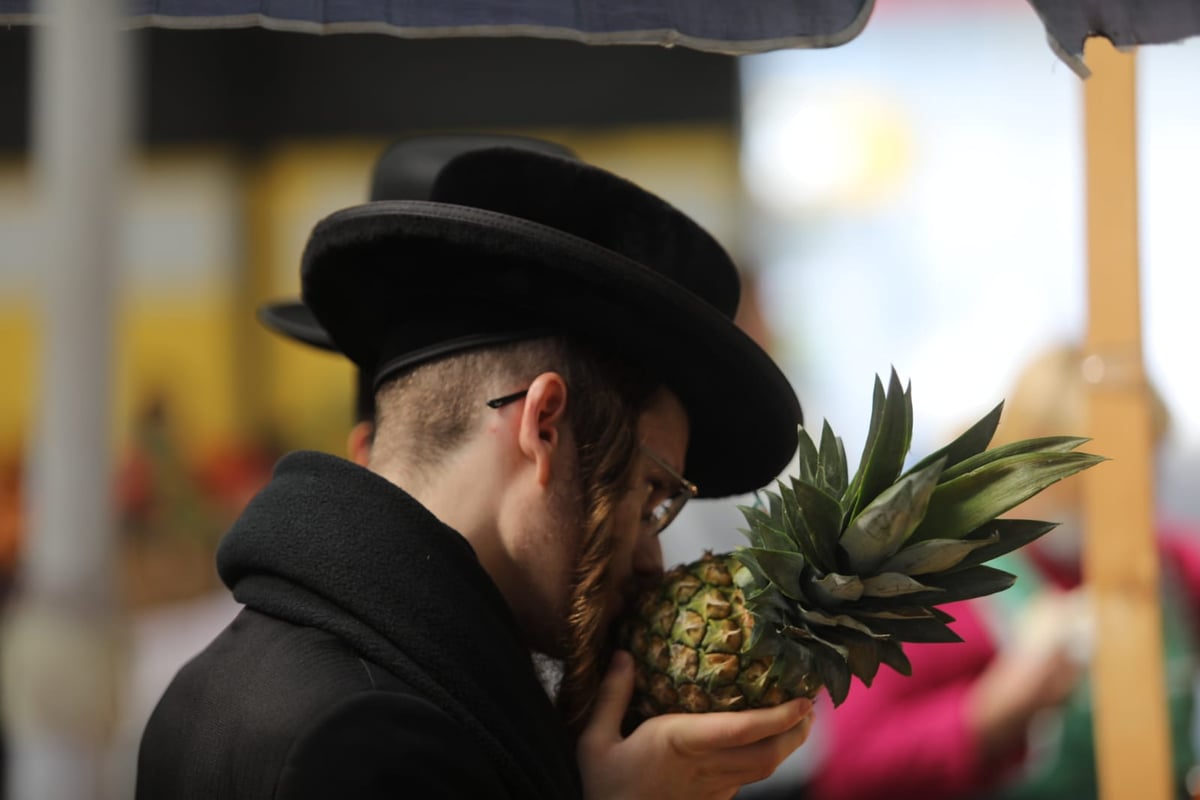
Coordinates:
[508,398]
[666,511]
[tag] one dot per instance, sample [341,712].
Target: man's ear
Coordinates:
[542,419]
[358,443]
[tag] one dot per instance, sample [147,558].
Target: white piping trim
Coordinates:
[666,37]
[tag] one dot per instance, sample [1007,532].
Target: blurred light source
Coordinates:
[825,147]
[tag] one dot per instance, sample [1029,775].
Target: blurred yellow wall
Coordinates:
[17,373]
[210,235]
[175,298]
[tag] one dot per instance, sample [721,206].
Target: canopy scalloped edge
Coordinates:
[665,37]
[1125,23]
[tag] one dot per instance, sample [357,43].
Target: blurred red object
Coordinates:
[231,474]
[10,517]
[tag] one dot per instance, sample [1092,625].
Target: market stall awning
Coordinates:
[749,26]
[1123,22]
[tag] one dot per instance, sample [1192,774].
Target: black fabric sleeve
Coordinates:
[386,745]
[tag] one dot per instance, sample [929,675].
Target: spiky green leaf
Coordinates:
[878,532]
[794,661]
[975,581]
[799,522]
[1003,536]
[755,514]
[831,661]
[863,651]
[882,462]
[764,639]
[795,527]
[959,506]
[971,442]
[781,567]
[835,675]
[935,555]
[892,654]
[833,589]
[756,581]
[1043,444]
[775,510]
[807,457]
[838,620]
[854,488]
[923,631]
[763,533]
[893,584]
[880,610]
[832,472]
[940,614]
[822,516]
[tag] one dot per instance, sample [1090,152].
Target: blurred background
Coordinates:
[913,198]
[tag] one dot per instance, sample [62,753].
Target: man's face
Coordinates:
[637,554]
[624,552]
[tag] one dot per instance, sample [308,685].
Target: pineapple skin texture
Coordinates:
[688,638]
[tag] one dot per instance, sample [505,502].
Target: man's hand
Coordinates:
[693,756]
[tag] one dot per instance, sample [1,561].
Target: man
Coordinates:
[552,349]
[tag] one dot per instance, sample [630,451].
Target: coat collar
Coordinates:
[331,545]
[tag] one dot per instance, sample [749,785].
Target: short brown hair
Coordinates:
[436,404]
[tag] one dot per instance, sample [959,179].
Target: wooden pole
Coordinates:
[1121,561]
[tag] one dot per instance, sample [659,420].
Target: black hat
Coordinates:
[405,171]
[514,244]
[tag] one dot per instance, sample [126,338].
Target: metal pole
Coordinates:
[1121,559]
[63,643]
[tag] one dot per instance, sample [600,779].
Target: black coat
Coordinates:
[375,658]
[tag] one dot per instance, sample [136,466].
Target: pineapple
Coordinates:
[839,571]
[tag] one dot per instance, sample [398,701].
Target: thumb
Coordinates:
[612,698]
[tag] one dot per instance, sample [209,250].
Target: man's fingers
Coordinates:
[683,755]
[612,699]
[727,729]
[757,761]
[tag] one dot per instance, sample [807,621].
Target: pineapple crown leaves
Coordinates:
[851,566]
[945,499]
[888,437]
[965,502]
[890,519]
[1003,536]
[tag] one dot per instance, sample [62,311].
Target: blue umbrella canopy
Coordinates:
[749,26]
[1125,23]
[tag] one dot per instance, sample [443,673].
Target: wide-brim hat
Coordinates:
[515,244]
[406,170]
[293,319]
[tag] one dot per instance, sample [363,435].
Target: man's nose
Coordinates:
[648,558]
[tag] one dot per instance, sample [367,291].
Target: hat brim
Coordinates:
[294,320]
[365,265]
